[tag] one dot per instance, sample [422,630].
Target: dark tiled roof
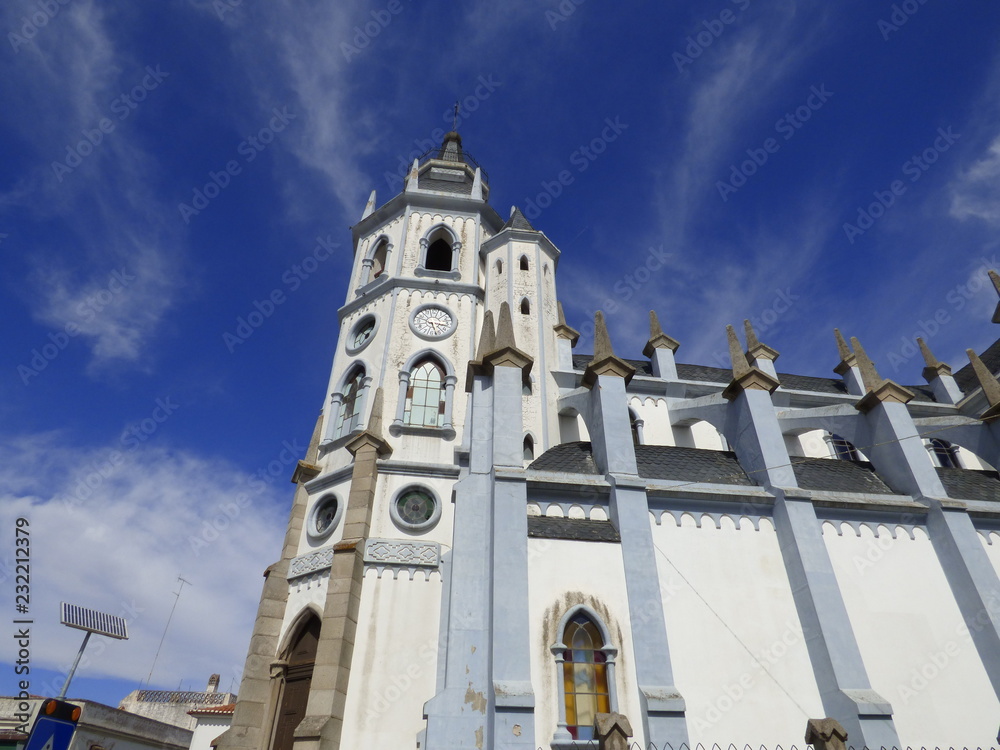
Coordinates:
[966,484]
[445,186]
[517,221]
[654,462]
[723,376]
[578,529]
[572,458]
[836,475]
[690,465]
[966,377]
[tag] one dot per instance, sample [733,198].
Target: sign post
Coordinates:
[93,622]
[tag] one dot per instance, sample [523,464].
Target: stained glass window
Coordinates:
[585,677]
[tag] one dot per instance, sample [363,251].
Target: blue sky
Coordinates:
[713,160]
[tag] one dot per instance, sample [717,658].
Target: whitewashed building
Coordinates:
[493,539]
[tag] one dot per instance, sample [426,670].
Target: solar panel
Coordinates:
[94,621]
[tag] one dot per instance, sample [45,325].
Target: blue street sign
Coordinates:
[50,733]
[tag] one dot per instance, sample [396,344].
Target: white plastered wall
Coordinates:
[915,646]
[394,668]
[563,574]
[736,643]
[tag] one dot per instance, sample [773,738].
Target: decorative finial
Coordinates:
[563,330]
[750,334]
[505,329]
[375,421]
[989,384]
[877,390]
[487,338]
[842,348]
[657,338]
[746,377]
[736,354]
[605,362]
[602,341]
[454,124]
[869,375]
[995,278]
[369,206]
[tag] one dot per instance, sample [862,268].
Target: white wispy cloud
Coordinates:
[976,192]
[111,528]
[66,78]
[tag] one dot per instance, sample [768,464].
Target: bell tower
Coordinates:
[367,563]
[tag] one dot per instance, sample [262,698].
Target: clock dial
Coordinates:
[433,322]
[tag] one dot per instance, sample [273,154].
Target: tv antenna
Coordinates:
[177,594]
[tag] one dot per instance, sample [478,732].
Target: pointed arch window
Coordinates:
[945,454]
[843,449]
[426,391]
[379,259]
[347,405]
[524,262]
[585,663]
[350,408]
[425,396]
[525,307]
[529,448]
[439,254]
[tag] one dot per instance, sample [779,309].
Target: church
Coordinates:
[494,539]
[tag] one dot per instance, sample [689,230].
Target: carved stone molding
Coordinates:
[401,552]
[310,562]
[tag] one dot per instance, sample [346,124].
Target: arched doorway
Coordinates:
[298,678]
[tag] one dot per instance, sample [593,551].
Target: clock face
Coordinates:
[363,334]
[433,322]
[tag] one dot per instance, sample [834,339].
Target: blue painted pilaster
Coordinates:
[514,720]
[833,649]
[457,717]
[611,436]
[973,580]
[891,440]
[751,427]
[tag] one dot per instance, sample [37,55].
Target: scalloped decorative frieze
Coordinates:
[715,518]
[988,534]
[557,509]
[311,562]
[878,529]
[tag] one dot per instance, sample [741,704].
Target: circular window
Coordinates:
[432,322]
[324,517]
[361,334]
[415,509]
